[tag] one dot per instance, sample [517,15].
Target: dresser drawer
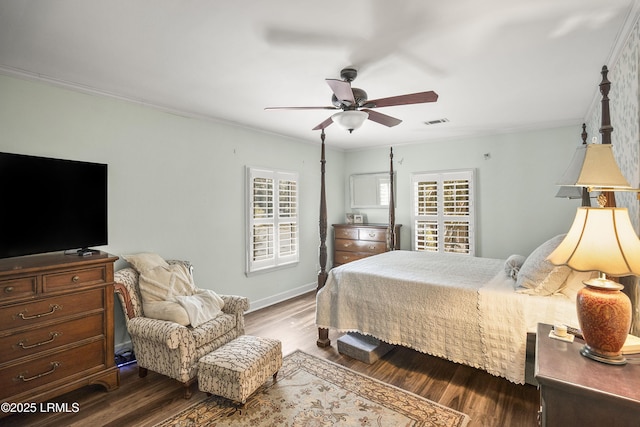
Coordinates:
[50,368]
[72,278]
[360,246]
[20,287]
[50,337]
[342,257]
[346,233]
[50,309]
[372,234]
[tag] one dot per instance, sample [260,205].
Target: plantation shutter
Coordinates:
[443,214]
[272,225]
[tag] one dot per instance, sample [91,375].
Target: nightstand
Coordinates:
[576,391]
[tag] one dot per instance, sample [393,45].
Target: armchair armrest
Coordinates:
[234,304]
[163,332]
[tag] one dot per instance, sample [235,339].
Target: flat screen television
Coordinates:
[49,205]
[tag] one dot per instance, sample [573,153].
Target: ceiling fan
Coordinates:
[355,106]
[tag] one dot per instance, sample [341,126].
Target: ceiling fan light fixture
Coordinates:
[350,119]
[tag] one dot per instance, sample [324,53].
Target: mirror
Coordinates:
[370,190]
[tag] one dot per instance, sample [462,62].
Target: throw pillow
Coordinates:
[537,272]
[575,282]
[166,310]
[513,264]
[164,283]
[145,261]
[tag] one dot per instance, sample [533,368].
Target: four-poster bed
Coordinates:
[465,309]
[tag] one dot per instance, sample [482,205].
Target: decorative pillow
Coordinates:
[537,272]
[575,281]
[145,261]
[201,306]
[513,264]
[166,310]
[164,283]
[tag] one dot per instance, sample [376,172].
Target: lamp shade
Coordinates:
[593,165]
[569,192]
[350,119]
[601,239]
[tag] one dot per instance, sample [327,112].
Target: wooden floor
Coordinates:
[488,400]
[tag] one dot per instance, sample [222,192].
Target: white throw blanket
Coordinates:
[456,307]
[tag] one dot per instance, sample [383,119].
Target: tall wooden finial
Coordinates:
[606,129]
[605,126]
[391,232]
[323,333]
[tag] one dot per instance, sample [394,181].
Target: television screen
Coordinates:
[51,205]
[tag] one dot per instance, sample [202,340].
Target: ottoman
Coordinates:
[239,367]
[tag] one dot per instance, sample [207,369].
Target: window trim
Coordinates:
[276,259]
[440,177]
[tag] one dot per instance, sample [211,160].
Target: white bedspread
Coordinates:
[456,307]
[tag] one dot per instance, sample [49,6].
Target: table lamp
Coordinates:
[603,240]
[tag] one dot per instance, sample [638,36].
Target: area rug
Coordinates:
[310,391]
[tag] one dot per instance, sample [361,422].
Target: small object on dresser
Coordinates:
[358,219]
[566,337]
[575,331]
[560,330]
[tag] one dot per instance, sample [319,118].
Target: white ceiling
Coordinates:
[497,65]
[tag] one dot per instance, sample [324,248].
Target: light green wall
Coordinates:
[176,184]
[515,186]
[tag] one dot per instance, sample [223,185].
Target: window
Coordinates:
[443,212]
[272,219]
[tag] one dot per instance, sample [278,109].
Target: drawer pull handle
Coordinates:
[53,336]
[75,279]
[372,234]
[52,309]
[54,366]
[8,289]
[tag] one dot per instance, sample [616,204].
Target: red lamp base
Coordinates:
[604,314]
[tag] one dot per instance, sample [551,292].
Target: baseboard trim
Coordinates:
[283,296]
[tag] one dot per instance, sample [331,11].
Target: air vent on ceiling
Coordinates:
[435,122]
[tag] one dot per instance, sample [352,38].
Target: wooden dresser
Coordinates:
[357,241]
[577,391]
[56,325]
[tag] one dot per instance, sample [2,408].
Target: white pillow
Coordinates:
[538,273]
[201,306]
[164,283]
[575,282]
[145,261]
[166,310]
[513,264]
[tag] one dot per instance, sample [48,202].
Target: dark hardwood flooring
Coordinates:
[488,400]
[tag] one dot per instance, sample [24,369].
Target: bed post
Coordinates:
[606,128]
[323,333]
[391,234]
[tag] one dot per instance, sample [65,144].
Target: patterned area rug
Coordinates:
[310,391]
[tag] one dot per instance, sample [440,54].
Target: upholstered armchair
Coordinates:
[169,348]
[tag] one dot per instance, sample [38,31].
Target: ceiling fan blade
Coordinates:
[301,108]
[383,119]
[413,98]
[324,124]
[342,90]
